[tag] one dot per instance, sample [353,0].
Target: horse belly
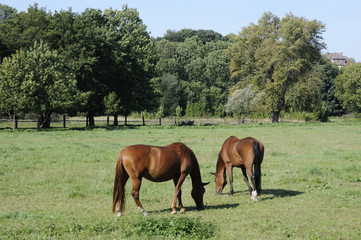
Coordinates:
[162,173]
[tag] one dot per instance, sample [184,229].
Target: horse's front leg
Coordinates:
[230,174]
[135,193]
[178,194]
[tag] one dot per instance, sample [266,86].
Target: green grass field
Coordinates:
[57,184]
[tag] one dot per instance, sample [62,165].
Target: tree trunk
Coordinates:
[275,116]
[91,120]
[115,120]
[44,121]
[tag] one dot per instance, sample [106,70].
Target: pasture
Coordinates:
[58,184]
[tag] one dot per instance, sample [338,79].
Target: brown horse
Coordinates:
[244,153]
[157,164]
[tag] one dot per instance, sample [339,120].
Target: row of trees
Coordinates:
[97,63]
[75,63]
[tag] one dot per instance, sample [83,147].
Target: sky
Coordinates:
[341,17]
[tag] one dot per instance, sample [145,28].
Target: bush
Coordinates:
[170,228]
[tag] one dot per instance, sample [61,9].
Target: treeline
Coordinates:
[105,62]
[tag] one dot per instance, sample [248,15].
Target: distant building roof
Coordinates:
[337,58]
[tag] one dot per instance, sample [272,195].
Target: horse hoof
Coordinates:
[254,196]
[174,212]
[182,210]
[145,214]
[119,214]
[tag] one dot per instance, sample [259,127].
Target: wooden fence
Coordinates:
[73,122]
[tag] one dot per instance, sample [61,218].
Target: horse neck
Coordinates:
[221,167]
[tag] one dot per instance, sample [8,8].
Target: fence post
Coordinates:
[64,121]
[160,121]
[107,120]
[143,121]
[125,120]
[87,121]
[16,122]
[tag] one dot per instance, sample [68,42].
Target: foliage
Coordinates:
[170,93]
[182,35]
[348,87]
[328,88]
[199,66]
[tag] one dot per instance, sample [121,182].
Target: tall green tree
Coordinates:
[133,59]
[275,55]
[50,86]
[348,87]
[38,81]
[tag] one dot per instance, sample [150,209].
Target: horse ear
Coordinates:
[204,184]
[213,173]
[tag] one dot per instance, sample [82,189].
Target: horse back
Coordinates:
[239,152]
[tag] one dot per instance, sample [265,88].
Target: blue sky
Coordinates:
[341,17]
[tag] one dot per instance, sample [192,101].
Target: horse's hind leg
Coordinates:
[253,180]
[180,204]
[177,194]
[245,178]
[135,193]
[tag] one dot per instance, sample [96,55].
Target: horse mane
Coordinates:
[195,172]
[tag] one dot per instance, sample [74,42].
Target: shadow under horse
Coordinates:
[157,164]
[247,154]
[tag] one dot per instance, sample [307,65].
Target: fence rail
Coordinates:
[122,121]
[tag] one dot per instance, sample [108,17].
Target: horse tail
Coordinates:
[258,150]
[121,177]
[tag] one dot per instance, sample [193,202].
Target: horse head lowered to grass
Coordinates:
[157,164]
[246,153]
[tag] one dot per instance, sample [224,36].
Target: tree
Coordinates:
[275,56]
[348,87]
[131,67]
[239,103]
[12,92]
[49,85]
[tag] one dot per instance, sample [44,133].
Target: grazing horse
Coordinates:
[157,164]
[244,153]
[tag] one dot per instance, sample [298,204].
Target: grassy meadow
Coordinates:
[57,184]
